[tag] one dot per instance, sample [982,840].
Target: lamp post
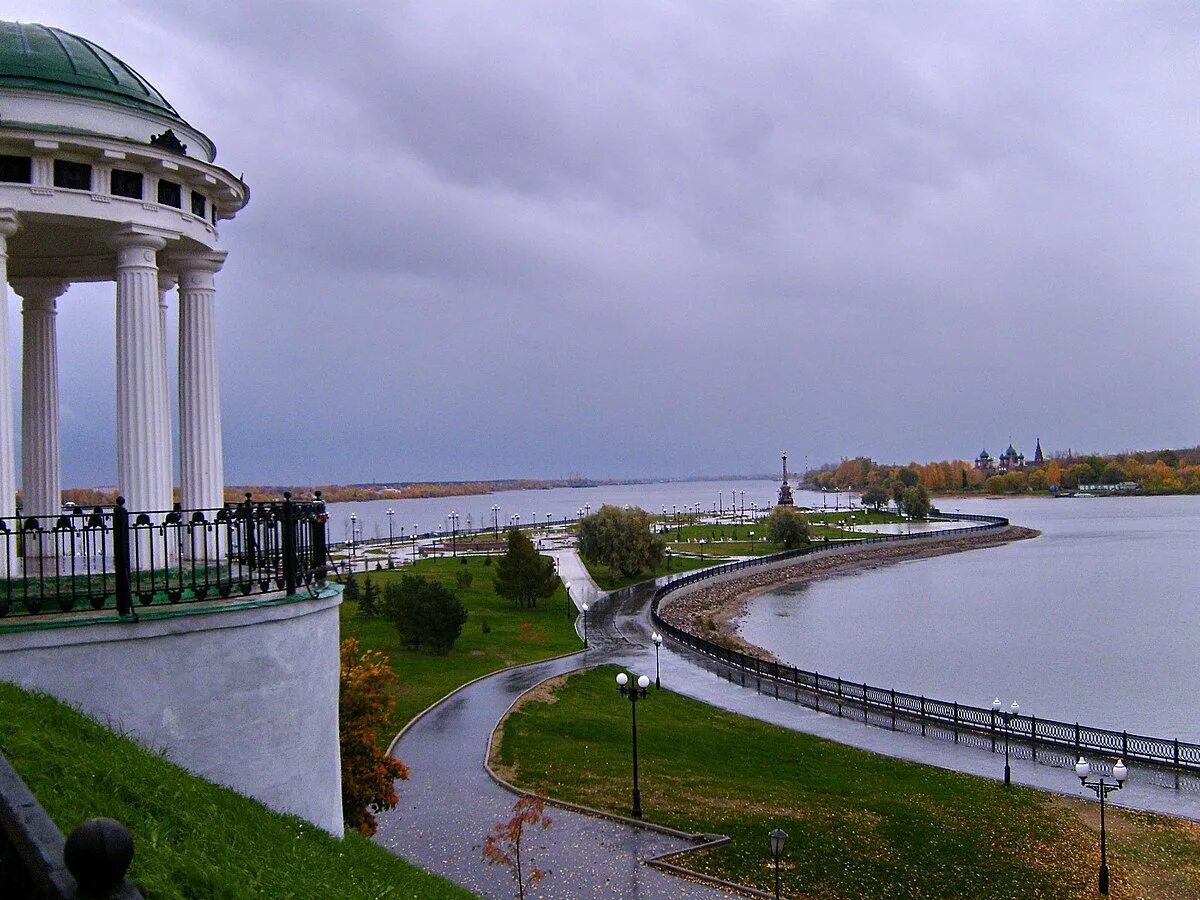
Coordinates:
[634,694]
[585,640]
[495,520]
[414,539]
[778,840]
[743,513]
[657,638]
[668,560]
[1102,789]
[353,531]
[587,509]
[720,503]
[517,520]
[391,534]
[453,517]
[1006,716]
[567,588]
[678,527]
[754,510]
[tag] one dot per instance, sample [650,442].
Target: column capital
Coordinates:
[137,246]
[209,261]
[166,281]
[39,293]
[8,222]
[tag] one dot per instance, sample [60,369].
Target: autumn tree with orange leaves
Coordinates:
[368,774]
[502,847]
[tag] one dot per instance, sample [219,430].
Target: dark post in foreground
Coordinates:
[1102,788]
[1006,716]
[634,693]
[585,611]
[778,838]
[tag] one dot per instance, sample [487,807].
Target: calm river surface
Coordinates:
[1097,620]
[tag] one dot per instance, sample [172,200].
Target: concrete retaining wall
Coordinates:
[247,698]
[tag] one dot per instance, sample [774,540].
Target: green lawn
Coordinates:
[860,825]
[513,635]
[192,838]
[610,580]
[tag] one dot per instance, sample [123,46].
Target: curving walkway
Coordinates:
[450,802]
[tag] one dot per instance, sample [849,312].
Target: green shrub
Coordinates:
[424,613]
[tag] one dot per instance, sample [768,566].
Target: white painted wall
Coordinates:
[245,698]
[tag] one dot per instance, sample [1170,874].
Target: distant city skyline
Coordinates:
[493,240]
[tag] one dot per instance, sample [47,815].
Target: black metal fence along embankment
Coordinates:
[1044,740]
[110,558]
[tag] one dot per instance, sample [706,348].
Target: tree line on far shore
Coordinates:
[1157,471]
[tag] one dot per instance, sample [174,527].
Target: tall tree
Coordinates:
[622,539]
[523,575]
[787,527]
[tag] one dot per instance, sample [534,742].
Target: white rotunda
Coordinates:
[102,180]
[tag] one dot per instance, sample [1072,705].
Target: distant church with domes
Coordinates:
[1010,460]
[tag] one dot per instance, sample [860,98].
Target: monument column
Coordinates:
[41,456]
[201,458]
[8,449]
[142,410]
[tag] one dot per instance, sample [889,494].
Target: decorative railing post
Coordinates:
[121,561]
[317,539]
[288,525]
[248,540]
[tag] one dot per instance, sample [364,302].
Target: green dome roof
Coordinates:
[52,60]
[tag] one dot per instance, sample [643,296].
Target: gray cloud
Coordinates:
[497,239]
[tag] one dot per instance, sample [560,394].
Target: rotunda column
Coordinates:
[141,395]
[166,281]
[201,458]
[41,456]
[8,450]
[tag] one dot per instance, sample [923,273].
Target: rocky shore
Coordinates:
[712,612]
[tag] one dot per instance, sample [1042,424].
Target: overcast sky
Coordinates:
[629,238]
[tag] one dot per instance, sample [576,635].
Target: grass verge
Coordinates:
[193,839]
[860,825]
[496,634]
[611,580]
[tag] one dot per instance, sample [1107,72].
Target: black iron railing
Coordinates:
[1051,741]
[110,558]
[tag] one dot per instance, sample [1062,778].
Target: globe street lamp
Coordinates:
[453,517]
[587,509]
[496,520]
[778,840]
[391,536]
[678,527]
[567,588]
[668,560]
[585,640]
[353,530]
[1102,789]
[657,638]
[1006,716]
[634,694]
[414,539]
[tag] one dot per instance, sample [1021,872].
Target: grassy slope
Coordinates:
[610,580]
[860,825]
[192,838]
[516,636]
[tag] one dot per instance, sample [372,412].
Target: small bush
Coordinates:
[487,560]
[463,579]
[368,600]
[463,560]
[484,626]
[425,613]
[351,588]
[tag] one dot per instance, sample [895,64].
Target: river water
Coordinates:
[1097,620]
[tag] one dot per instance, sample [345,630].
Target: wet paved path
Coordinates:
[450,802]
